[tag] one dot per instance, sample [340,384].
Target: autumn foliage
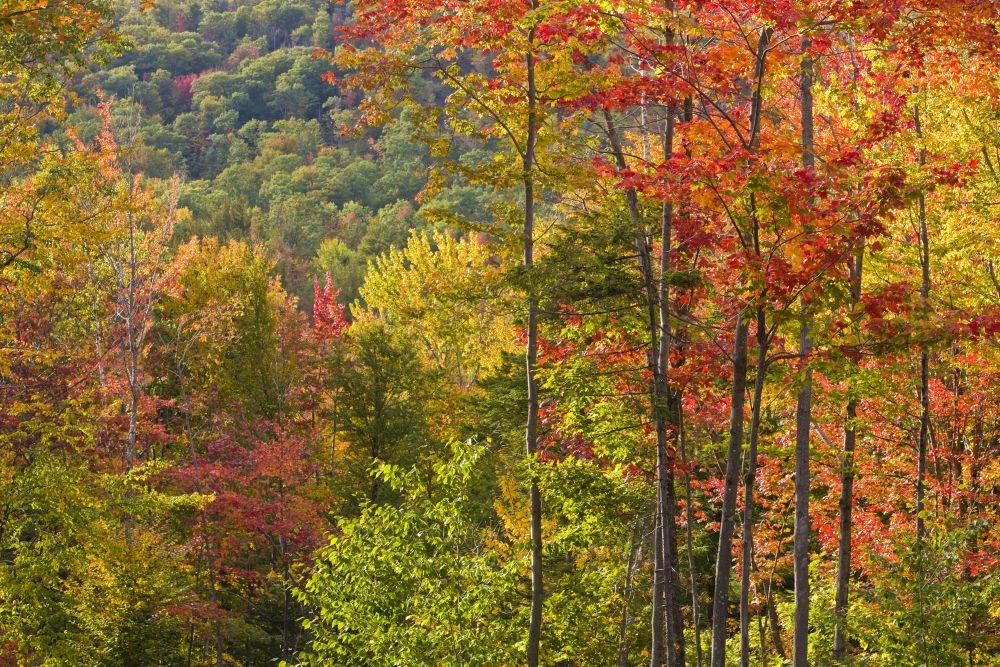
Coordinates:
[684,353]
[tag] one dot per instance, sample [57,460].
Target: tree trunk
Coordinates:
[803,408]
[689,522]
[667,406]
[772,622]
[724,556]
[133,421]
[748,488]
[635,558]
[687,116]
[846,494]
[925,408]
[531,358]
[925,292]
[656,625]
[665,577]
[760,63]
[133,343]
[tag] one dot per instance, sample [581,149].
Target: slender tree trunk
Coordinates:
[772,622]
[771,609]
[748,487]
[843,584]
[635,558]
[531,359]
[846,494]
[664,401]
[132,343]
[971,508]
[687,116]
[658,641]
[667,403]
[656,625]
[724,557]
[133,423]
[925,407]
[286,602]
[925,292]
[803,409]
[724,562]
[689,523]
[760,64]
[761,640]
[213,595]
[671,643]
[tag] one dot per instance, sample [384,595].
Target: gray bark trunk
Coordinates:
[803,409]
[760,64]
[724,556]
[748,488]
[846,495]
[925,291]
[531,359]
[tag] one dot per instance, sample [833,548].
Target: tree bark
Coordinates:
[803,408]
[531,359]
[773,624]
[667,405]
[657,629]
[925,292]
[748,487]
[760,64]
[846,493]
[689,522]
[687,115]
[207,554]
[723,563]
[925,407]
[656,624]
[724,556]
[635,558]
[133,343]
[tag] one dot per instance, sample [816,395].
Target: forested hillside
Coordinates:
[499,332]
[231,97]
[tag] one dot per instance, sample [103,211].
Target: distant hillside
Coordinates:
[230,96]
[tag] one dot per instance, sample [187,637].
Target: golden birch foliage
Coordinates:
[445,295]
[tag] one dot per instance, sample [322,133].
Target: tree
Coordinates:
[446,295]
[491,103]
[394,583]
[382,394]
